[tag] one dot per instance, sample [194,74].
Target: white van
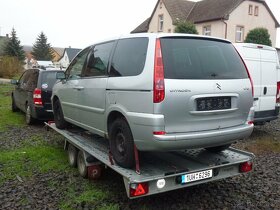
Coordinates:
[263,65]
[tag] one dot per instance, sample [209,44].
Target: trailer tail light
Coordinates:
[159,89]
[246,167]
[37,97]
[139,189]
[278,93]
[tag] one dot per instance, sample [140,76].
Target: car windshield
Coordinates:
[200,58]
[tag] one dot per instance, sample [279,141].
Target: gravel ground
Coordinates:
[257,190]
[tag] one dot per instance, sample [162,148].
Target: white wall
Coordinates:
[167,24]
[241,17]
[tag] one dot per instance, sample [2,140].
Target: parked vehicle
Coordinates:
[263,65]
[32,94]
[159,92]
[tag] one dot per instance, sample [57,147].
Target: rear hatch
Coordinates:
[206,85]
[47,81]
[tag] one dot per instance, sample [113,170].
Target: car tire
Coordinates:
[81,164]
[122,143]
[14,106]
[28,115]
[58,115]
[218,148]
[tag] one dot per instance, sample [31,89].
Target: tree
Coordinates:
[13,47]
[41,49]
[185,27]
[258,36]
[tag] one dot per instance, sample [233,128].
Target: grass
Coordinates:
[26,160]
[35,155]
[8,118]
[264,145]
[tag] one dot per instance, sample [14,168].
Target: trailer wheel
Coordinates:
[72,155]
[122,143]
[81,163]
[218,148]
[58,115]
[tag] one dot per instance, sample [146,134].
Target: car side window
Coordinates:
[23,79]
[32,80]
[129,57]
[75,68]
[98,60]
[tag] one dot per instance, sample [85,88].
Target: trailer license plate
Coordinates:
[197,176]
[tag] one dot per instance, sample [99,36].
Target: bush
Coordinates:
[10,67]
[258,36]
[185,27]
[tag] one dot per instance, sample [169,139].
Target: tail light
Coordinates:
[139,189]
[246,167]
[251,81]
[159,132]
[251,115]
[159,89]
[278,93]
[37,97]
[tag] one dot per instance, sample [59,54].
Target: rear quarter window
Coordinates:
[129,57]
[193,58]
[48,79]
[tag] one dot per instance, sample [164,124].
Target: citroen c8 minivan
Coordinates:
[159,92]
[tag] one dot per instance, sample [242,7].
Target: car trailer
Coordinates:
[157,172]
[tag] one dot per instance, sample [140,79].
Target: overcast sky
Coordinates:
[80,23]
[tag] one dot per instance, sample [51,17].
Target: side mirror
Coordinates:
[14,82]
[60,75]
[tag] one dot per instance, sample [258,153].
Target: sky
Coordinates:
[80,23]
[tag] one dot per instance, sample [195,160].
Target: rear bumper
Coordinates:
[41,113]
[180,141]
[266,116]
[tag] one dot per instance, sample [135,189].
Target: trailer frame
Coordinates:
[156,172]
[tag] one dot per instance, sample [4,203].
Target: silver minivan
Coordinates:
[158,92]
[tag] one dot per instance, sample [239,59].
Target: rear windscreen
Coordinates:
[196,58]
[48,79]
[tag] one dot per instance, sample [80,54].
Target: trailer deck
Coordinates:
[162,171]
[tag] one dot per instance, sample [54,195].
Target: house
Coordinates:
[278,52]
[57,53]
[68,55]
[3,41]
[229,19]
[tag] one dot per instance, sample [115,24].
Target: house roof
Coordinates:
[208,10]
[201,11]
[143,27]
[71,53]
[59,50]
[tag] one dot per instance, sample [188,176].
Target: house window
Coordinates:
[256,13]
[160,23]
[207,30]
[250,11]
[239,34]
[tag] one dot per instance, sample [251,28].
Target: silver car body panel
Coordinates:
[91,102]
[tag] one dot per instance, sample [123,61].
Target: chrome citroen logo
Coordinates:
[218,86]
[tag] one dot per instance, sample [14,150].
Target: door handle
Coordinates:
[78,88]
[265,90]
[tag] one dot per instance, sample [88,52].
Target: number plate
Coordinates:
[187,178]
[213,103]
